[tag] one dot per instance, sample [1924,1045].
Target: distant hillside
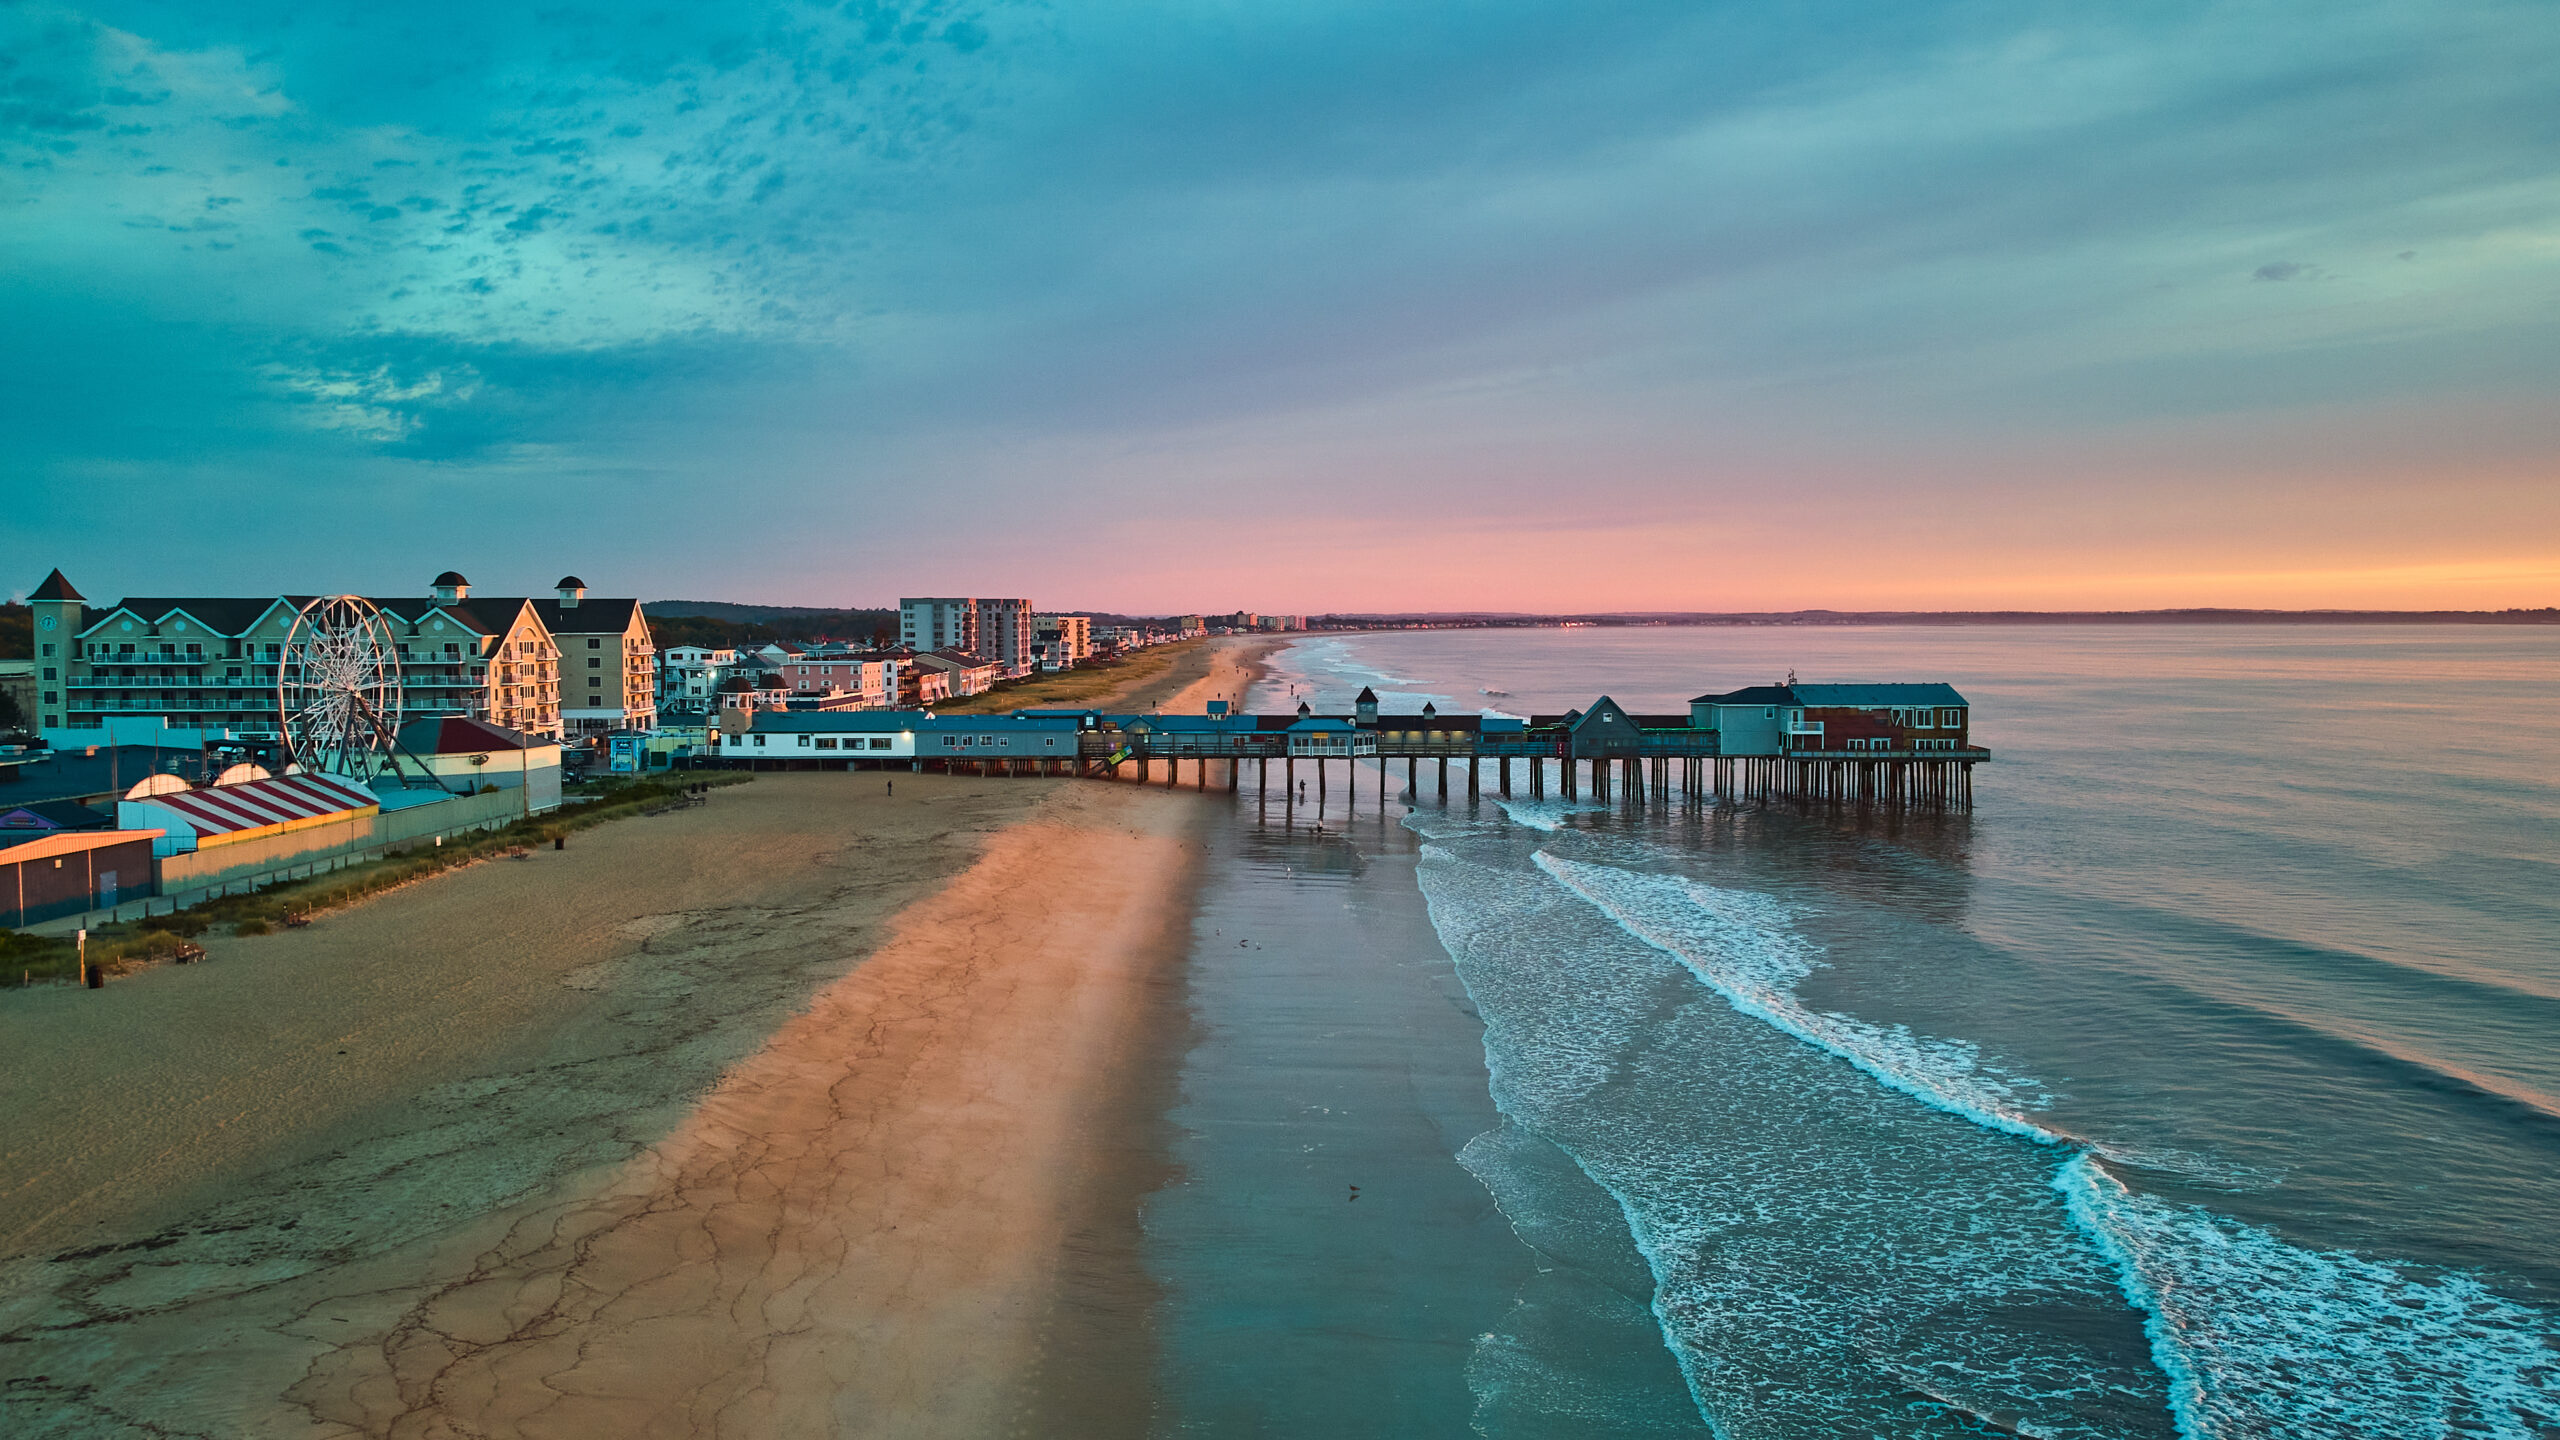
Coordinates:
[722,625]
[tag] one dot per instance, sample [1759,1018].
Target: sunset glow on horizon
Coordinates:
[1156,308]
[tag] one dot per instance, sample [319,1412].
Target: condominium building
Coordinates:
[608,663]
[1001,630]
[210,663]
[938,624]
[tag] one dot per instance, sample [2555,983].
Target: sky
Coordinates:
[1310,306]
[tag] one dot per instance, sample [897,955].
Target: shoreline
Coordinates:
[1101,1342]
[285,1287]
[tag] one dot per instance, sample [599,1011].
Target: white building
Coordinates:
[938,624]
[1007,632]
[1004,631]
[689,676]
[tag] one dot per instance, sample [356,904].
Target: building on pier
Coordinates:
[1804,720]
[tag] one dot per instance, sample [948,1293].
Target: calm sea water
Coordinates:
[2203,1080]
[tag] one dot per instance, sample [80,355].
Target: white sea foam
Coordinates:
[2258,1336]
[1744,946]
[1546,815]
[2265,1338]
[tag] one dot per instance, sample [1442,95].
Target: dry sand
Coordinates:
[509,1208]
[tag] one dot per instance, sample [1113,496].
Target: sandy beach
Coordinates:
[799,1113]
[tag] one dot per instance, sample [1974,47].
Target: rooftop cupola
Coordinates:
[1429,710]
[1303,710]
[1366,706]
[56,588]
[450,587]
[572,590]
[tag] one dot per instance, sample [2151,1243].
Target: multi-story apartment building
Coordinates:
[1004,631]
[608,663]
[1066,641]
[209,663]
[938,624]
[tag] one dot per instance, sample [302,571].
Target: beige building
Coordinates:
[608,664]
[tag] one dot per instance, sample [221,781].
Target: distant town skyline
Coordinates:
[1149,308]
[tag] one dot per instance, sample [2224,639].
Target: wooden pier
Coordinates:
[1899,746]
[1603,752]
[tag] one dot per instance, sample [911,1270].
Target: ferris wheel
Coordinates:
[338,692]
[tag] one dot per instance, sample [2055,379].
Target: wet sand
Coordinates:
[510,1208]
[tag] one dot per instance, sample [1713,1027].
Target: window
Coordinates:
[48,673]
[1950,719]
[52,698]
[825,743]
[986,739]
[759,740]
[594,663]
[48,649]
[595,644]
[1051,742]
[880,744]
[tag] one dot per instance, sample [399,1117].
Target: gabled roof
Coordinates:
[483,615]
[456,736]
[1604,711]
[588,617]
[1366,696]
[263,804]
[1878,696]
[56,588]
[219,614]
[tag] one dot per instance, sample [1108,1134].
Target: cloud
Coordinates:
[816,250]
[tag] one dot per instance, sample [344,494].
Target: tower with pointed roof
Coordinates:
[59,610]
[1365,705]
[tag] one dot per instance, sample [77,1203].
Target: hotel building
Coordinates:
[566,665]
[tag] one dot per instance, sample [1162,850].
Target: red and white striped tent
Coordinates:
[222,814]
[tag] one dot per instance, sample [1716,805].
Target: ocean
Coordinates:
[2202,1080]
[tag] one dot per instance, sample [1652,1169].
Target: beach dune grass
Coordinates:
[1092,684]
[122,946]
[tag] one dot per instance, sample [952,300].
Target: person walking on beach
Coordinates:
[893,787]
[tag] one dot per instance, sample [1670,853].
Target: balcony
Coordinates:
[153,657]
[174,682]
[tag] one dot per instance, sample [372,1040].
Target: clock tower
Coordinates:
[58,609]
